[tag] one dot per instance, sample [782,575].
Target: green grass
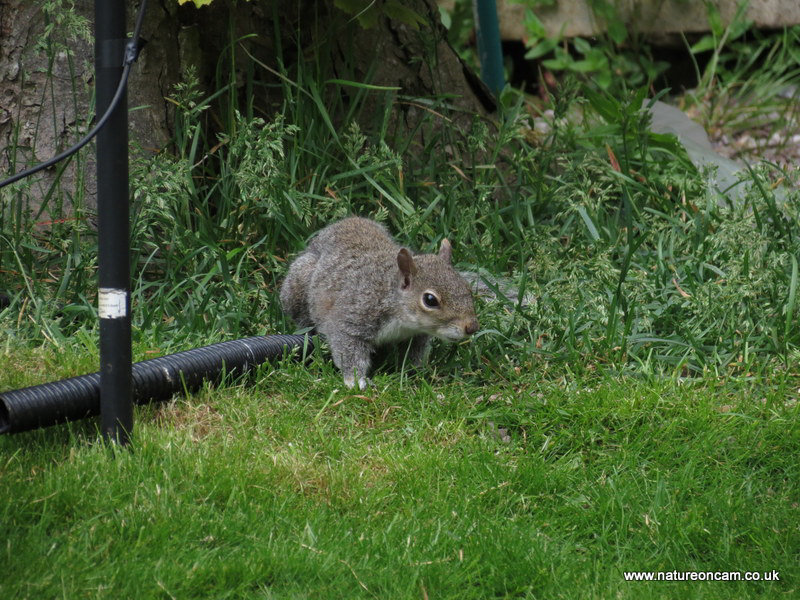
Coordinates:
[630,258]
[289,487]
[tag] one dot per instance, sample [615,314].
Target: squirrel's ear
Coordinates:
[407,267]
[445,250]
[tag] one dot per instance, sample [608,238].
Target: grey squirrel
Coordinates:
[361,290]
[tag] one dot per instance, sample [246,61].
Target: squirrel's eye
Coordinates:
[430,300]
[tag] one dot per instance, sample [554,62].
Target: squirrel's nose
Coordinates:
[471,327]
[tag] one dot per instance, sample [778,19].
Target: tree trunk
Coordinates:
[46,71]
[44,83]
[46,94]
[418,61]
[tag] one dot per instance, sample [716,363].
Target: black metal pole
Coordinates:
[116,398]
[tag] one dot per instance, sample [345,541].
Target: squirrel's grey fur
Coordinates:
[360,290]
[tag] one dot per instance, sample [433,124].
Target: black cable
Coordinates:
[155,379]
[131,54]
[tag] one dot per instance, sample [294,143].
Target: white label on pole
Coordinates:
[112,303]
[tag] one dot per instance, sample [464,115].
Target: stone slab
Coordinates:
[658,17]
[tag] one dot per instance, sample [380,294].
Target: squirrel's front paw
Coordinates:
[363,382]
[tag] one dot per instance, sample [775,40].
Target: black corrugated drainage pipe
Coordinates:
[154,379]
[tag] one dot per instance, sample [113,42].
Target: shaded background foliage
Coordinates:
[608,243]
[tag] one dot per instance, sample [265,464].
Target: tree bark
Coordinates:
[46,94]
[46,70]
[44,83]
[418,61]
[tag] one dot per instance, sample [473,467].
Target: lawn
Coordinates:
[286,486]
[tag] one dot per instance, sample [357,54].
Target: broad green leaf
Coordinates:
[705,43]
[447,20]
[603,79]
[540,49]
[562,60]
[617,31]
[714,19]
[533,25]
[395,10]
[595,61]
[364,11]
[581,45]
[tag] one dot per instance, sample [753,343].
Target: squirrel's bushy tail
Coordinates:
[294,291]
[489,287]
